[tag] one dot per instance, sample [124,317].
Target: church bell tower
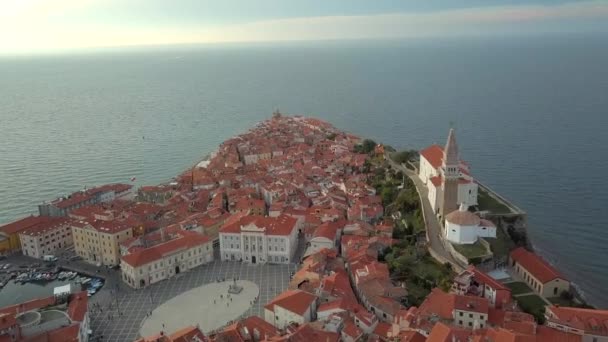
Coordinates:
[450,174]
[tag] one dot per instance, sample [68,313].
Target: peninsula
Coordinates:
[292,231]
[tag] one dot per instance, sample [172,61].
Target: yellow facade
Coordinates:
[10,243]
[5,245]
[99,247]
[552,288]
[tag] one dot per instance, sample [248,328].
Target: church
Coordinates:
[441,166]
[451,191]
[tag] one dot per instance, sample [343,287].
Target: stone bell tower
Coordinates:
[450,174]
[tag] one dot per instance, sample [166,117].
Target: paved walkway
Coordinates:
[207,306]
[123,315]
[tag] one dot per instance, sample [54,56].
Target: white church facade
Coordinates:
[431,172]
[464,227]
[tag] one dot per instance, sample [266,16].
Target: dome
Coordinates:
[463,218]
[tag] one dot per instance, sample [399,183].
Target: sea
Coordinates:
[530,113]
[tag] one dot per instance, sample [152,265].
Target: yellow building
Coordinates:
[543,278]
[99,242]
[5,244]
[9,233]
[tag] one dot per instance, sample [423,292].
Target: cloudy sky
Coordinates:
[30,26]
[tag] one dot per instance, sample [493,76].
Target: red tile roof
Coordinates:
[534,264]
[296,301]
[485,279]
[22,224]
[327,230]
[188,334]
[471,304]
[589,320]
[433,154]
[383,329]
[351,330]
[45,225]
[436,181]
[282,225]
[184,241]
[445,333]
[78,305]
[544,333]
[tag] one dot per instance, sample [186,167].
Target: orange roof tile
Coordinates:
[22,224]
[536,265]
[185,240]
[296,301]
[433,154]
[590,320]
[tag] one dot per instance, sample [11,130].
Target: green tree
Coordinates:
[404,156]
[387,195]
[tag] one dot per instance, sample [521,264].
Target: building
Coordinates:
[46,237]
[175,253]
[105,193]
[9,233]
[465,227]
[258,239]
[155,194]
[325,236]
[62,318]
[252,328]
[440,169]
[463,311]
[187,334]
[98,242]
[292,306]
[589,323]
[543,278]
[474,282]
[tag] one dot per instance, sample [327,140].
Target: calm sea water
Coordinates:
[530,113]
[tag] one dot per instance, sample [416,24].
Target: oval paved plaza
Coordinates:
[197,306]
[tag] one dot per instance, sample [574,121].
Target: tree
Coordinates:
[368,145]
[387,195]
[404,156]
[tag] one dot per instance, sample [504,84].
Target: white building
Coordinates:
[47,237]
[431,160]
[179,253]
[464,227]
[325,236]
[294,306]
[258,239]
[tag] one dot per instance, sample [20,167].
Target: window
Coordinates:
[470,324]
[460,322]
[470,315]
[460,314]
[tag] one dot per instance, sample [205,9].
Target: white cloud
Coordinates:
[28,27]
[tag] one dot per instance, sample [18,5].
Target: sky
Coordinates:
[33,26]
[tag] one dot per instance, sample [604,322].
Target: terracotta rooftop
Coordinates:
[281,225]
[296,301]
[434,155]
[536,265]
[21,224]
[185,240]
[590,320]
[46,224]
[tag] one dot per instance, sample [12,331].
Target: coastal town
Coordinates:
[293,231]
